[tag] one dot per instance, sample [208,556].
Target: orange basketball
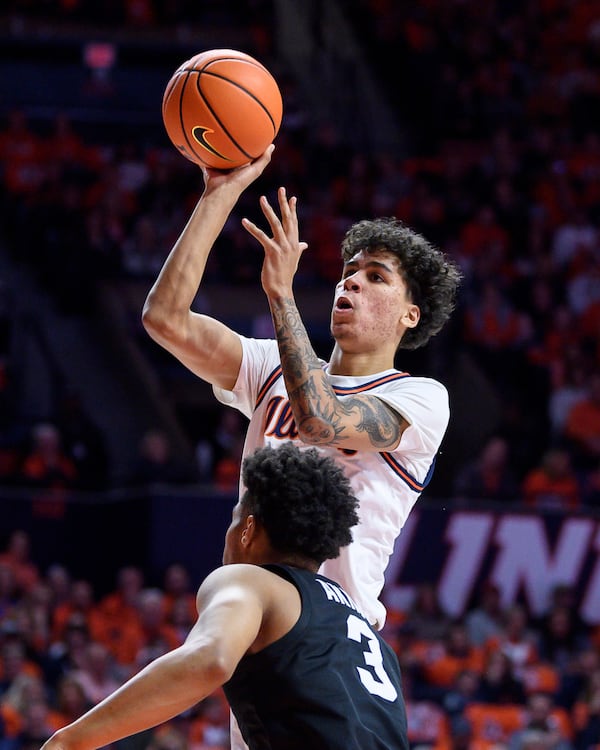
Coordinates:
[222,108]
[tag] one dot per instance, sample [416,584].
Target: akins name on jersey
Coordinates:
[336,594]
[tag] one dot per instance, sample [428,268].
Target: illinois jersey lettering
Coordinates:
[279,420]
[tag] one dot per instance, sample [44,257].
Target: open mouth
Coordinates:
[343,304]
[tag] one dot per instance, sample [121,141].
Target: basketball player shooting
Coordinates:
[383,426]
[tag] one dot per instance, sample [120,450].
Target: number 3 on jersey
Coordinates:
[376,681]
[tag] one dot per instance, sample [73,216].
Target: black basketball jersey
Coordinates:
[331,683]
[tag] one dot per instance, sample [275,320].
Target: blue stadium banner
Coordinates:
[525,554]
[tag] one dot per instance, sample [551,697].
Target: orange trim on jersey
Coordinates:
[400,471]
[344,390]
[273,377]
[340,390]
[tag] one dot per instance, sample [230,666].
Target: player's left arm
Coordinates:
[362,422]
[230,617]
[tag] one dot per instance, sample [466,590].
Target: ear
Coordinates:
[248,532]
[411,316]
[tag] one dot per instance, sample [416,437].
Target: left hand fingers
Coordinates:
[288,224]
[287,208]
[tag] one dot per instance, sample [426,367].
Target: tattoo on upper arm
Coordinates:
[381,424]
[325,425]
[320,415]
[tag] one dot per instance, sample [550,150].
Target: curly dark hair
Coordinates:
[302,498]
[431,277]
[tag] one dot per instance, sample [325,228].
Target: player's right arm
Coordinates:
[203,344]
[231,606]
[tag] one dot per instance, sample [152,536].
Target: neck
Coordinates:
[295,561]
[355,365]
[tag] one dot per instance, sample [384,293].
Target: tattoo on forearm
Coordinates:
[318,412]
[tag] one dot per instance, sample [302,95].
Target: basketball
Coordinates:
[222,108]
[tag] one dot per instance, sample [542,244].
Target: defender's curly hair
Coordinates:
[302,498]
[431,277]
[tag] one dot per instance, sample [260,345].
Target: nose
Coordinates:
[352,282]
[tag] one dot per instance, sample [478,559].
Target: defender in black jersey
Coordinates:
[331,682]
[301,667]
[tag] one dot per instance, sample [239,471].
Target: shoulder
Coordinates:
[240,580]
[414,397]
[259,347]
[422,384]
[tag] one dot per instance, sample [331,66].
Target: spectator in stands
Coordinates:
[71,701]
[494,327]
[493,723]
[569,378]
[550,724]
[120,606]
[517,641]
[45,463]
[498,682]
[97,674]
[426,617]
[37,725]
[461,734]
[583,288]
[484,621]
[490,476]
[79,602]
[8,591]
[83,443]
[455,654]
[180,620]
[68,653]
[116,618]
[553,483]
[576,234]
[21,154]
[582,426]
[427,722]
[219,454]
[586,712]
[155,636]
[58,580]
[461,693]
[17,556]
[16,672]
[483,235]
[226,473]
[563,632]
[177,588]
[412,652]
[209,722]
[156,463]
[34,617]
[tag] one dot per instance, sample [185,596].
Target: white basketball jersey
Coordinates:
[387,484]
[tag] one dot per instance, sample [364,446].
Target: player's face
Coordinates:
[233,550]
[371,307]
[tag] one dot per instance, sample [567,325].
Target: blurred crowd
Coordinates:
[500,104]
[497,679]
[138,14]
[63,648]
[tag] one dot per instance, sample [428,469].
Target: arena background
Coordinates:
[477,123]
